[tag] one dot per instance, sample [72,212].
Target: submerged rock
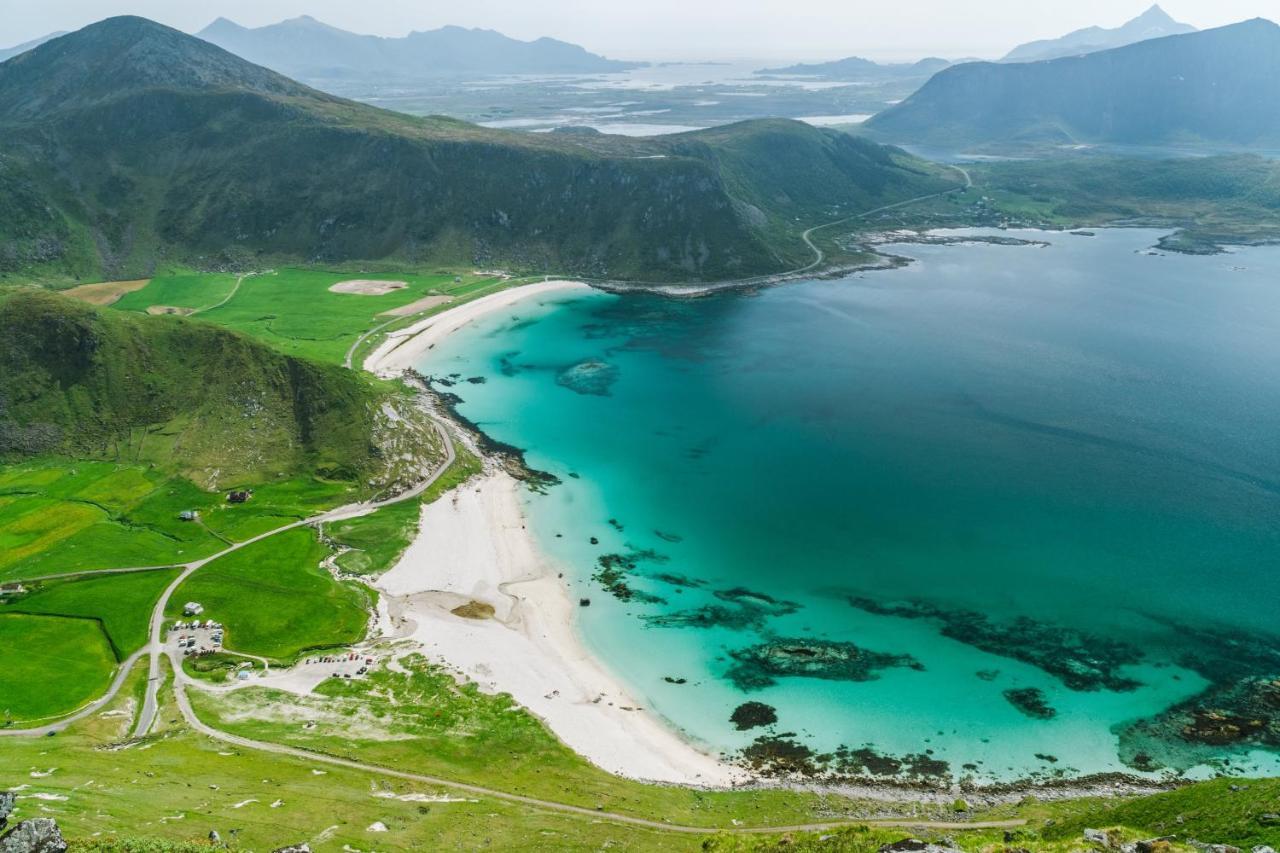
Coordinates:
[1082,661]
[613,570]
[752,715]
[760,666]
[1030,701]
[591,377]
[37,835]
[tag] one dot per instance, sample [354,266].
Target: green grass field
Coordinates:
[60,516]
[293,310]
[275,600]
[63,516]
[50,666]
[122,603]
[194,291]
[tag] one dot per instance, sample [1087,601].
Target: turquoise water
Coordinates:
[1082,435]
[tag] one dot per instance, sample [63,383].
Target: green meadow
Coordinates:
[121,603]
[50,665]
[294,311]
[275,600]
[194,291]
[59,516]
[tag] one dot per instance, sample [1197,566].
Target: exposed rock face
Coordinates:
[295,848]
[37,835]
[6,806]
[915,845]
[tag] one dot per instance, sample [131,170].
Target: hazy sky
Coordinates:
[667,29]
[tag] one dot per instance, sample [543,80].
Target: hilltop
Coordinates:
[1219,86]
[131,143]
[306,48]
[1153,23]
[182,394]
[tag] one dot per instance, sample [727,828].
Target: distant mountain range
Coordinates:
[310,50]
[855,68]
[7,52]
[1151,24]
[129,143]
[1218,86]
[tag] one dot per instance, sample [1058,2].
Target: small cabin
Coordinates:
[192,608]
[188,515]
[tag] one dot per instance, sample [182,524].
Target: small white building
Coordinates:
[192,608]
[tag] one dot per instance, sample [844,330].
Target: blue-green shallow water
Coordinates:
[1082,434]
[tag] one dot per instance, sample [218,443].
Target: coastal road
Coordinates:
[155,649]
[820,256]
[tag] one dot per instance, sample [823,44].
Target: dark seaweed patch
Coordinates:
[613,571]
[753,715]
[759,666]
[678,580]
[1080,660]
[1030,701]
[751,611]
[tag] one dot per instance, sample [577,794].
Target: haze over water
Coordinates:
[1082,434]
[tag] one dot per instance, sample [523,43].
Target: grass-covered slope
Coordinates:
[87,382]
[1218,86]
[128,143]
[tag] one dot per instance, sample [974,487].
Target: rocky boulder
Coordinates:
[37,835]
[6,806]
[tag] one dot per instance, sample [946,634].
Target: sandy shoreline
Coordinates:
[473,545]
[403,348]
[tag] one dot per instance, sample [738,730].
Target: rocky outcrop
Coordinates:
[294,848]
[6,807]
[37,835]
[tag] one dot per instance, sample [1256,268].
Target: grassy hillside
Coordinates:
[1217,86]
[130,145]
[95,383]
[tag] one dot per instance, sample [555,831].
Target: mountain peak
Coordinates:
[119,57]
[1156,14]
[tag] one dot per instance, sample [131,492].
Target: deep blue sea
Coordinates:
[1007,512]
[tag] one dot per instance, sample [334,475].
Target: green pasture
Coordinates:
[275,600]
[122,603]
[294,310]
[50,665]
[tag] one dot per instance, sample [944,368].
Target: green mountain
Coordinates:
[1151,24]
[214,404]
[1219,87]
[128,144]
[309,49]
[7,52]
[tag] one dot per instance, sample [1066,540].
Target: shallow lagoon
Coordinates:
[1083,435]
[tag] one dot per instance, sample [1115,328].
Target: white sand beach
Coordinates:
[403,348]
[473,545]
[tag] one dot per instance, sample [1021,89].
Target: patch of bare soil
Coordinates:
[368,287]
[169,310]
[105,292]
